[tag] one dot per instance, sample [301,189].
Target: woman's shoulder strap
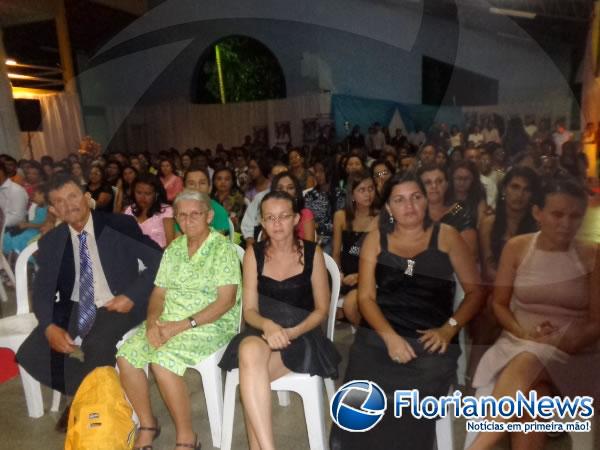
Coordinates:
[259,254]
[435,233]
[309,255]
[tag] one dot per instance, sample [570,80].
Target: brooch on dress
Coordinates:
[410,266]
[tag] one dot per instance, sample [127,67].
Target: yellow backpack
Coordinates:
[100,416]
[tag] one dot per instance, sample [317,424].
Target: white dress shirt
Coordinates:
[491,190]
[102,292]
[13,201]
[252,215]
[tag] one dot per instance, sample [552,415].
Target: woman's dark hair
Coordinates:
[234,186]
[407,177]
[160,196]
[170,161]
[430,168]
[476,191]
[329,169]
[264,164]
[299,200]
[126,185]
[353,181]
[564,184]
[386,163]
[527,223]
[195,168]
[281,195]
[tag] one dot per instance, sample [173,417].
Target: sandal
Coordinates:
[156,430]
[197,446]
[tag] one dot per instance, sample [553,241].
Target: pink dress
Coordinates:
[306,215]
[154,227]
[549,286]
[173,186]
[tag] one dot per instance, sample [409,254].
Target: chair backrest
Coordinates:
[334,273]
[21,278]
[231,231]
[306,191]
[241,252]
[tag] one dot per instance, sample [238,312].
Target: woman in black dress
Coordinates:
[285,299]
[408,337]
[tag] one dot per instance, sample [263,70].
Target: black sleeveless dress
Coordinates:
[287,303]
[413,294]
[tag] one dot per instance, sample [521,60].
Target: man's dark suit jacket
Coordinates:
[120,244]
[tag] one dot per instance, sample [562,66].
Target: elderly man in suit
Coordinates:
[91,261]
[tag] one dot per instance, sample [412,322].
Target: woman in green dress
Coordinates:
[193,311]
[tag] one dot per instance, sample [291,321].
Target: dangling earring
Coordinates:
[391,219]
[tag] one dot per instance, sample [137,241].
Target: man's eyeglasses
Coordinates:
[382,174]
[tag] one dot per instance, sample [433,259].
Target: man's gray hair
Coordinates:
[190,194]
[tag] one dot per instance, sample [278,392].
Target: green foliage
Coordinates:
[250,72]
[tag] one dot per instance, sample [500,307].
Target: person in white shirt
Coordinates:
[491,189]
[251,217]
[13,200]
[560,136]
[530,126]
[490,133]
[475,136]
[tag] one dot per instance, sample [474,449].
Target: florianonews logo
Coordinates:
[358,405]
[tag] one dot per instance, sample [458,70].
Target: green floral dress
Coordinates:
[191,285]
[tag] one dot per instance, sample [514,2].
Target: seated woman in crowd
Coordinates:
[517,194]
[465,186]
[408,337]
[77,172]
[321,202]
[150,209]
[286,298]
[547,300]
[286,182]
[101,192]
[182,329]
[226,192]
[124,196]
[22,234]
[171,182]
[298,168]
[350,226]
[382,170]
[442,210]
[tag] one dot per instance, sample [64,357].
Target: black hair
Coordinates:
[299,200]
[564,184]
[527,223]
[160,196]
[353,181]
[476,191]
[58,181]
[234,186]
[399,178]
[194,167]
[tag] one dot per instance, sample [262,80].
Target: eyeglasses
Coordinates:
[381,174]
[281,218]
[192,217]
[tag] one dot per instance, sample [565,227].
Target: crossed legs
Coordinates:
[259,365]
[524,373]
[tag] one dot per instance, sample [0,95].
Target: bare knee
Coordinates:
[253,351]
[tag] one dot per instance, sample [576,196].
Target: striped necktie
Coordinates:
[87,308]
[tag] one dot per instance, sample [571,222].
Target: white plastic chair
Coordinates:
[6,266]
[15,329]
[310,388]
[231,231]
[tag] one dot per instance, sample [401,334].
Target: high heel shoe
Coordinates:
[156,430]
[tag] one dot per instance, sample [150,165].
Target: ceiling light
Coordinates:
[11,62]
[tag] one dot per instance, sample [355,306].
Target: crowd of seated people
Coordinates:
[404,217]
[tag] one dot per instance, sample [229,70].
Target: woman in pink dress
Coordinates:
[149,207]
[547,300]
[171,182]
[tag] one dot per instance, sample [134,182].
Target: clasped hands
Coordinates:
[276,336]
[159,332]
[544,333]
[433,340]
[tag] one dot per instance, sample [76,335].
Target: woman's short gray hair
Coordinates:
[190,194]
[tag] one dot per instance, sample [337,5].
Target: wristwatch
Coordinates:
[452,322]
[193,322]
